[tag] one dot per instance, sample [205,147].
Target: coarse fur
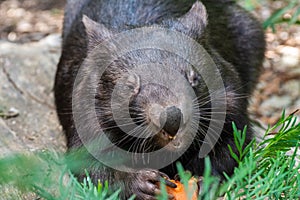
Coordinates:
[232,37]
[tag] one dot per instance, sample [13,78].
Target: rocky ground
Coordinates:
[30,49]
[279,84]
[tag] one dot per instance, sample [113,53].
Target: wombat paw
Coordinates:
[145,184]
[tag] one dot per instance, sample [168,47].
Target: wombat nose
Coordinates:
[170,120]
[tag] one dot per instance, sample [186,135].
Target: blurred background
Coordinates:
[30,20]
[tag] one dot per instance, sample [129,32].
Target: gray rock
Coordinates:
[292,88]
[275,102]
[26,81]
[290,56]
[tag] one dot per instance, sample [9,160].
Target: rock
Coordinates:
[26,91]
[24,27]
[275,102]
[290,56]
[292,88]
[284,35]
[52,41]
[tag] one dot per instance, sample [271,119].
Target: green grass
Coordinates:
[266,170]
[289,6]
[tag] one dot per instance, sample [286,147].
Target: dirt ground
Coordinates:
[30,20]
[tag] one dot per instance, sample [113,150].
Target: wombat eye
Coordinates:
[193,78]
[133,83]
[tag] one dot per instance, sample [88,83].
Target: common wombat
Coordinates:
[163,118]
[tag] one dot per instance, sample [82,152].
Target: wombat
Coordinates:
[162,118]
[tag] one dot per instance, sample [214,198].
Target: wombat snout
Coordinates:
[168,119]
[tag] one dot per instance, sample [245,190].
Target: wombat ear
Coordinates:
[194,22]
[96,32]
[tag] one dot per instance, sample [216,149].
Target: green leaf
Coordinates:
[276,16]
[233,155]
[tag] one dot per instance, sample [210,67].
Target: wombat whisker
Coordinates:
[210,108]
[206,126]
[109,127]
[208,113]
[215,135]
[240,97]
[125,139]
[231,94]
[209,119]
[201,99]
[112,120]
[142,126]
[238,89]
[146,133]
[201,104]
[136,146]
[227,112]
[145,147]
[207,95]
[201,132]
[125,124]
[129,118]
[106,121]
[199,141]
[133,147]
[139,131]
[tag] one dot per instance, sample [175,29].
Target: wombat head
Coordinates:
[148,98]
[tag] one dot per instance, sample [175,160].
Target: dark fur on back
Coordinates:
[232,37]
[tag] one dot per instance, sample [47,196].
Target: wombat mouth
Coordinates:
[167,122]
